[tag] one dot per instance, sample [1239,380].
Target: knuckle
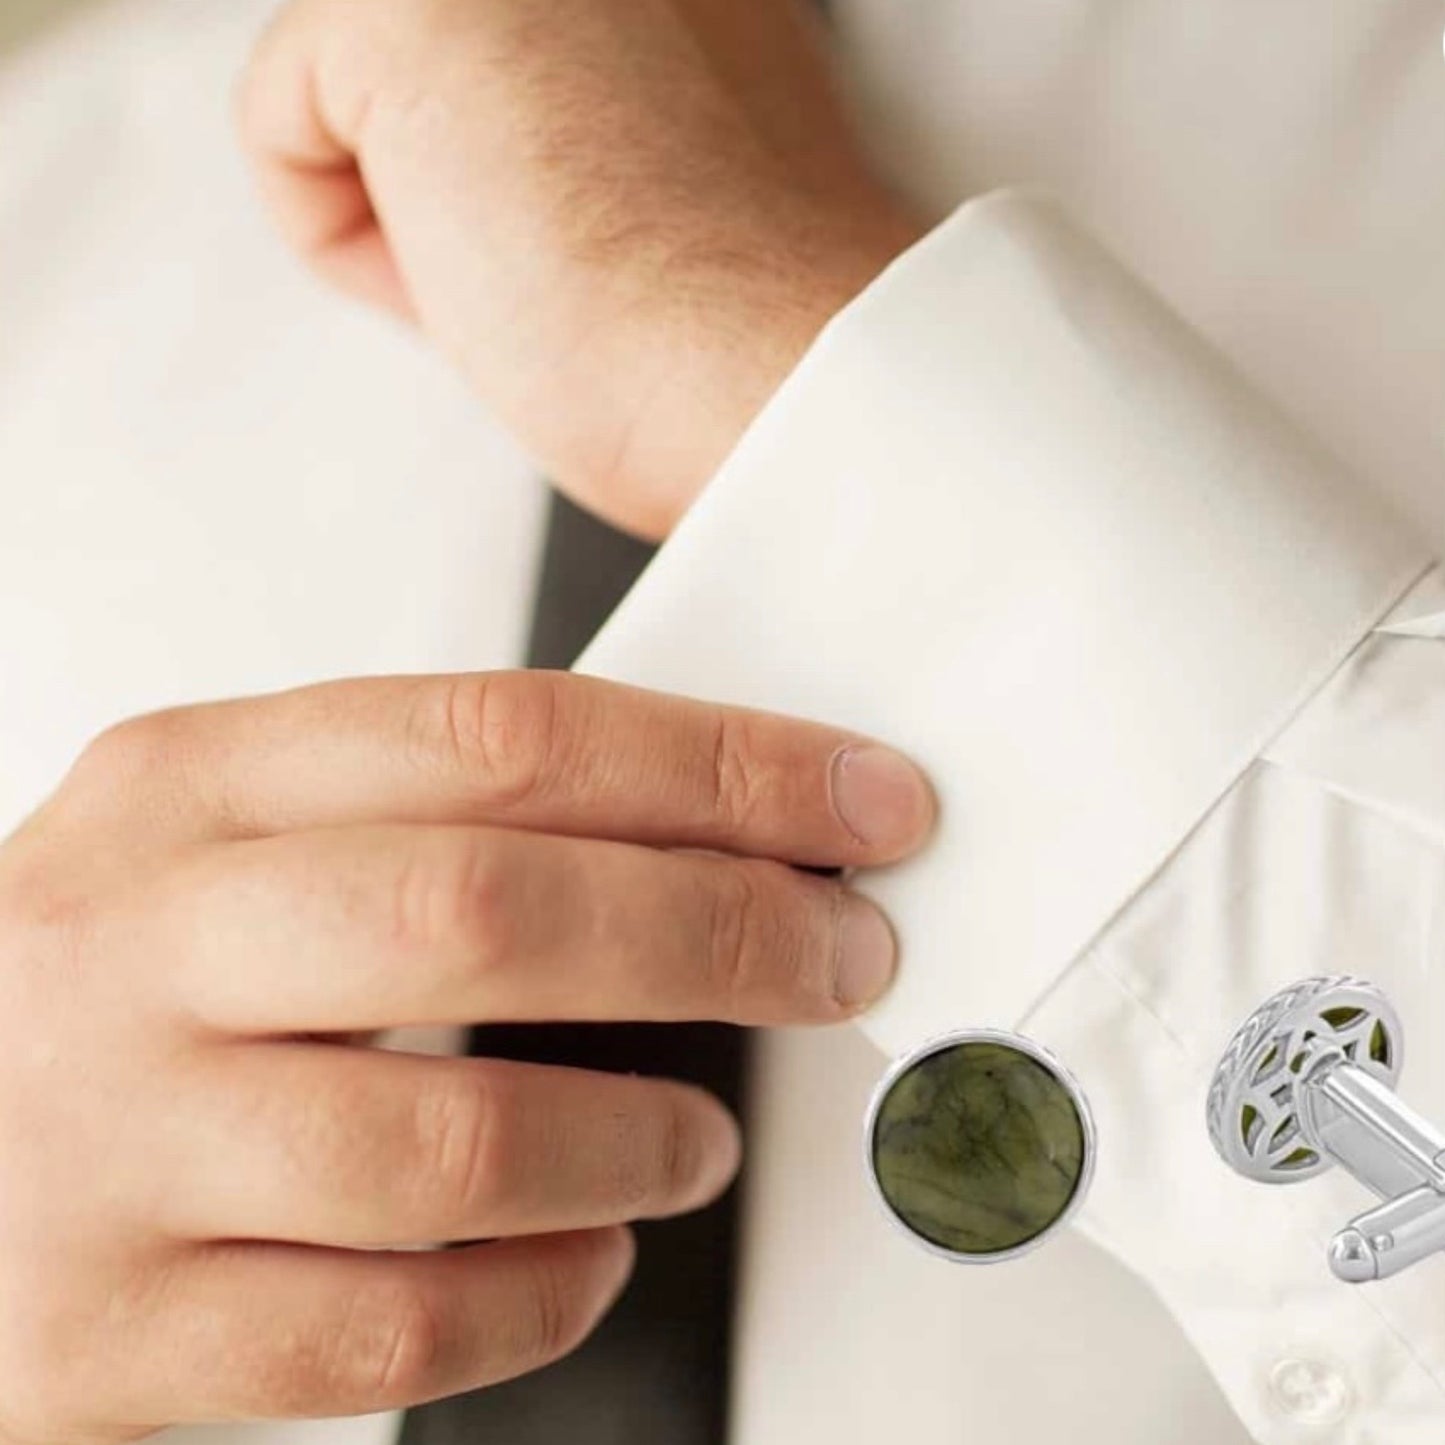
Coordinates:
[463,1143]
[771,942]
[50,914]
[45,919]
[633,1176]
[388,1351]
[298,35]
[146,764]
[736,792]
[452,895]
[737,953]
[411,1347]
[553,1321]
[382,1351]
[658,1161]
[505,730]
[136,746]
[678,1153]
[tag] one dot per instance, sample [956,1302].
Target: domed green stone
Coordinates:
[978,1147]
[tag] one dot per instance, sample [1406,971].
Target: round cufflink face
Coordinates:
[1254,1107]
[979,1144]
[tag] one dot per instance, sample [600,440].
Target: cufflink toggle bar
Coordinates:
[1308,1082]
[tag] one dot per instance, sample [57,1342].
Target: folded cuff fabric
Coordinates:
[1015,517]
[1011,514]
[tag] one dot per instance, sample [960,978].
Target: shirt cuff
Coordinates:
[1015,517]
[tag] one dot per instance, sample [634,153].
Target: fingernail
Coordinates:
[882,798]
[866,953]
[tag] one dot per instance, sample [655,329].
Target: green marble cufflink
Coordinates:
[979,1144]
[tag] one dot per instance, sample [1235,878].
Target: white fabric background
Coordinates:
[1279,172]
[214,480]
[215,477]
[1035,533]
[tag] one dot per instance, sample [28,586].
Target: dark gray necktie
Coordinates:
[656,1370]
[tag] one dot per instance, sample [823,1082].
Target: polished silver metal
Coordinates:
[1307,1082]
[1039,1054]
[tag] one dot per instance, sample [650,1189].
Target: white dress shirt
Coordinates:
[1028,525]
[216,480]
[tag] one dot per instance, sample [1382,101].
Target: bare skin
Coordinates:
[624,220]
[210,1189]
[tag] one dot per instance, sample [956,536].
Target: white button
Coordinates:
[1307,1391]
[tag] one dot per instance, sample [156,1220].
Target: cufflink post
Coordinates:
[1307,1082]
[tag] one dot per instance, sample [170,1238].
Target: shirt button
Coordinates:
[1307,1391]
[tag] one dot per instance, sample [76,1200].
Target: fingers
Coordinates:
[266,1331]
[537,750]
[323,1144]
[445,107]
[375,927]
[623,222]
[303,157]
[308,117]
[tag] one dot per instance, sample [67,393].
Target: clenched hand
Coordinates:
[624,220]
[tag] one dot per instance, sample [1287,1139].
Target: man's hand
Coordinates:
[210,1194]
[625,220]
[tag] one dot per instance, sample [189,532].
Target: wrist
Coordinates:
[717,356]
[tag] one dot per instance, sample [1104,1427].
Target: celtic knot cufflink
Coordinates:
[1307,1082]
[980,1145]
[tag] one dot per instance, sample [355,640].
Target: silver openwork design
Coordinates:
[1308,1082]
[1256,1109]
[979,1144]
